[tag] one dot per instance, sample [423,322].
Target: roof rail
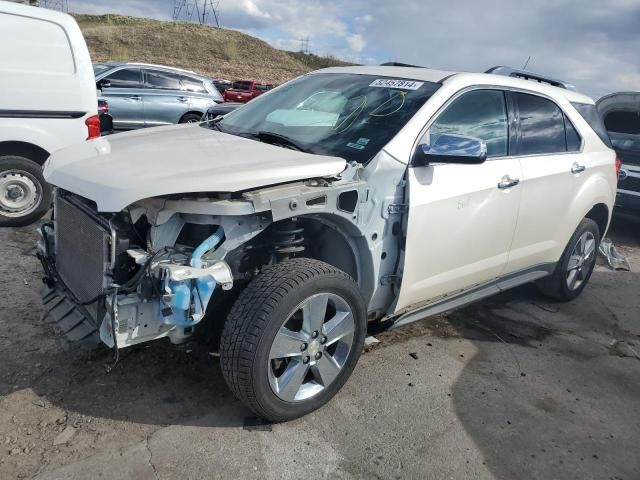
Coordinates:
[166,67]
[400,64]
[525,75]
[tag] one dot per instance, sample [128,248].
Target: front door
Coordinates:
[123,94]
[461,217]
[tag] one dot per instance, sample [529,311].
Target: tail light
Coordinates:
[618,165]
[93,126]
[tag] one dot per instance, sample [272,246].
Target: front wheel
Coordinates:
[292,338]
[576,264]
[24,194]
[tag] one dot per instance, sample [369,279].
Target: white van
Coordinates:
[47,101]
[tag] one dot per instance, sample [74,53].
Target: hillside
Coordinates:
[213,51]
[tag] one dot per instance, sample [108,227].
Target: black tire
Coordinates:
[255,319]
[556,285]
[22,166]
[191,118]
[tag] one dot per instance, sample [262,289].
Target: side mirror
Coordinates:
[451,148]
[104,83]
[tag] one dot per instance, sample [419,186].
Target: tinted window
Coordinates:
[573,138]
[192,85]
[126,78]
[242,86]
[263,88]
[541,126]
[593,118]
[623,122]
[481,114]
[161,80]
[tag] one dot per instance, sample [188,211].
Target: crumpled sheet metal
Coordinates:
[613,257]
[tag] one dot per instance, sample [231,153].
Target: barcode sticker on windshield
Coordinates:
[394,83]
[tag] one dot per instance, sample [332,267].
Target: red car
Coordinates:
[244,90]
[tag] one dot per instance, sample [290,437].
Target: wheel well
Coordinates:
[24,149]
[193,112]
[599,214]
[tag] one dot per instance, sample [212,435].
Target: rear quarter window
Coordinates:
[34,45]
[592,117]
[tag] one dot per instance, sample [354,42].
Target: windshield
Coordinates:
[100,67]
[346,115]
[242,86]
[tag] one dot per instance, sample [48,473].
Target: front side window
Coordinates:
[345,115]
[541,126]
[125,78]
[480,114]
[161,80]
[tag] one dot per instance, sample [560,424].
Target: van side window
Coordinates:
[541,126]
[481,114]
[126,78]
[161,80]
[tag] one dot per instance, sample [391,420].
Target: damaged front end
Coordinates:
[111,278]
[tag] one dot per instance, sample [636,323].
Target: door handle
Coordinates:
[183,99]
[508,182]
[577,168]
[136,97]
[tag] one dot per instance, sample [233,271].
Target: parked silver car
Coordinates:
[143,95]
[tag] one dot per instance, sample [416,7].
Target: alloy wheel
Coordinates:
[311,347]
[581,260]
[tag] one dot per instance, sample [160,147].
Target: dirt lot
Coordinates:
[514,387]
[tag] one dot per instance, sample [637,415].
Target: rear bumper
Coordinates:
[628,200]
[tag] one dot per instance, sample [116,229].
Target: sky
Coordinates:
[593,44]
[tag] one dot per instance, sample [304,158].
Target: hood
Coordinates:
[117,170]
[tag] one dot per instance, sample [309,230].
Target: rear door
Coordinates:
[462,217]
[124,97]
[553,171]
[164,101]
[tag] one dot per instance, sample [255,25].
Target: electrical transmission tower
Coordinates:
[60,5]
[304,44]
[204,11]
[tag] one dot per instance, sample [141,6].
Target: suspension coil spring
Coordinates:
[288,237]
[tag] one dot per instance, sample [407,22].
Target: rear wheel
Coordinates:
[191,118]
[292,338]
[576,264]
[24,194]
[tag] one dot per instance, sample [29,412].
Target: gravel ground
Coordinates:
[513,387]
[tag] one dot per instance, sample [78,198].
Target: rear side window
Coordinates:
[33,45]
[263,88]
[593,118]
[192,85]
[161,80]
[481,114]
[541,126]
[125,78]
[242,86]
[573,138]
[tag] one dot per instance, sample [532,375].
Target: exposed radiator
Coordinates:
[82,250]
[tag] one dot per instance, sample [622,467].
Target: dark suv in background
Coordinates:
[621,115]
[143,95]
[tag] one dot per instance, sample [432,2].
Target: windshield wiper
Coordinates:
[276,138]
[215,123]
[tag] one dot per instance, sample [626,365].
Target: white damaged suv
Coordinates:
[344,196]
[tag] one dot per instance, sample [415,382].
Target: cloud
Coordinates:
[356,42]
[590,43]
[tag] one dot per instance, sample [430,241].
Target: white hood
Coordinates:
[117,170]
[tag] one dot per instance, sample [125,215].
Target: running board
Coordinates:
[478,293]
